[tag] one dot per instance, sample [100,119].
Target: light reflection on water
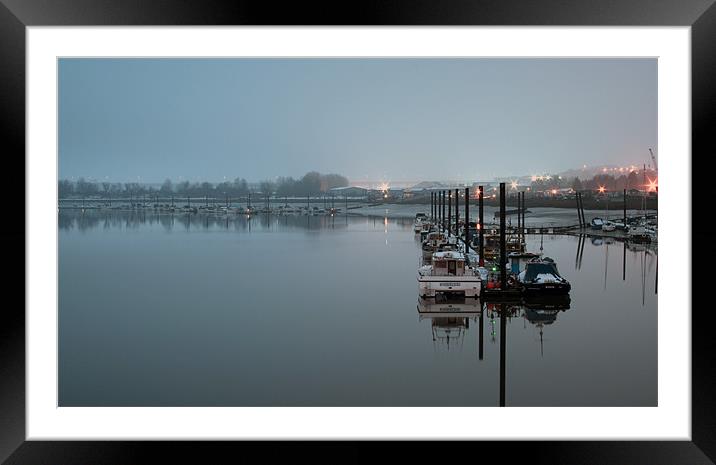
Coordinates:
[297,310]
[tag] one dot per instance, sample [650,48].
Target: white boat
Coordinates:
[448,273]
[434,241]
[639,234]
[609,226]
[597,223]
[420,218]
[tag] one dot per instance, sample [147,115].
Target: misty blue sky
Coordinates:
[394,119]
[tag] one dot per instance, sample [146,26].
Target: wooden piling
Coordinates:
[432,217]
[522,215]
[503,245]
[481,231]
[480,336]
[503,352]
[442,221]
[457,212]
[467,219]
[449,212]
[625,205]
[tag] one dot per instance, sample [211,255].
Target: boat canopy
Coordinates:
[534,269]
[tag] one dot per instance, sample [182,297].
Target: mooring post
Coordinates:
[503,245]
[519,215]
[625,203]
[579,213]
[524,211]
[503,352]
[481,231]
[480,337]
[442,220]
[457,213]
[624,260]
[581,202]
[467,219]
[432,218]
[449,212]
[438,207]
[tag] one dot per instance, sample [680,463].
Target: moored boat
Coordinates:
[448,273]
[608,226]
[541,277]
[420,218]
[433,243]
[597,223]
[639,234]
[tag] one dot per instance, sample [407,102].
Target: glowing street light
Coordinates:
[514,184]
[601,189]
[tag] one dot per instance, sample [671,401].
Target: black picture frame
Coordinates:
[16,15]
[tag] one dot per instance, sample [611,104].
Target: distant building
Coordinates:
[349,191]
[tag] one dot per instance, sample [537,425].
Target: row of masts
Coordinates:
[441,214]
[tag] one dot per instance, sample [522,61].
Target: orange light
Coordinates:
[653,185]
[601,189]
[554,191]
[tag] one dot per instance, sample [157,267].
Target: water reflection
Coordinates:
[190,315]
[646,252]
[86,220]
[450,321]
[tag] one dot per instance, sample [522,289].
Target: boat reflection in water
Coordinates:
[450,321]
[450,318]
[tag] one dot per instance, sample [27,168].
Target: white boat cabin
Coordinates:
[435,239]
[448,273]
[448,263]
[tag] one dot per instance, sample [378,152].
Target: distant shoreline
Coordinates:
[590,203]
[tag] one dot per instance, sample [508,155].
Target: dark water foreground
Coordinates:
[159,310]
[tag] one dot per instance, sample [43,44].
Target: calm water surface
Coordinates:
[159,310]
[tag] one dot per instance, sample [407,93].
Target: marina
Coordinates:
[348,330]
[357,231]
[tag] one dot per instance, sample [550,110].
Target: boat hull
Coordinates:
[458,307]
[430,286]
[546,289]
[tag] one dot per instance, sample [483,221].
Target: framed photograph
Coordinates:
[413,223]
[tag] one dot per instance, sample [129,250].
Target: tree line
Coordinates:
[312,183]
[608,181]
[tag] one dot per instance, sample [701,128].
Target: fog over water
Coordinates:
[196,310]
